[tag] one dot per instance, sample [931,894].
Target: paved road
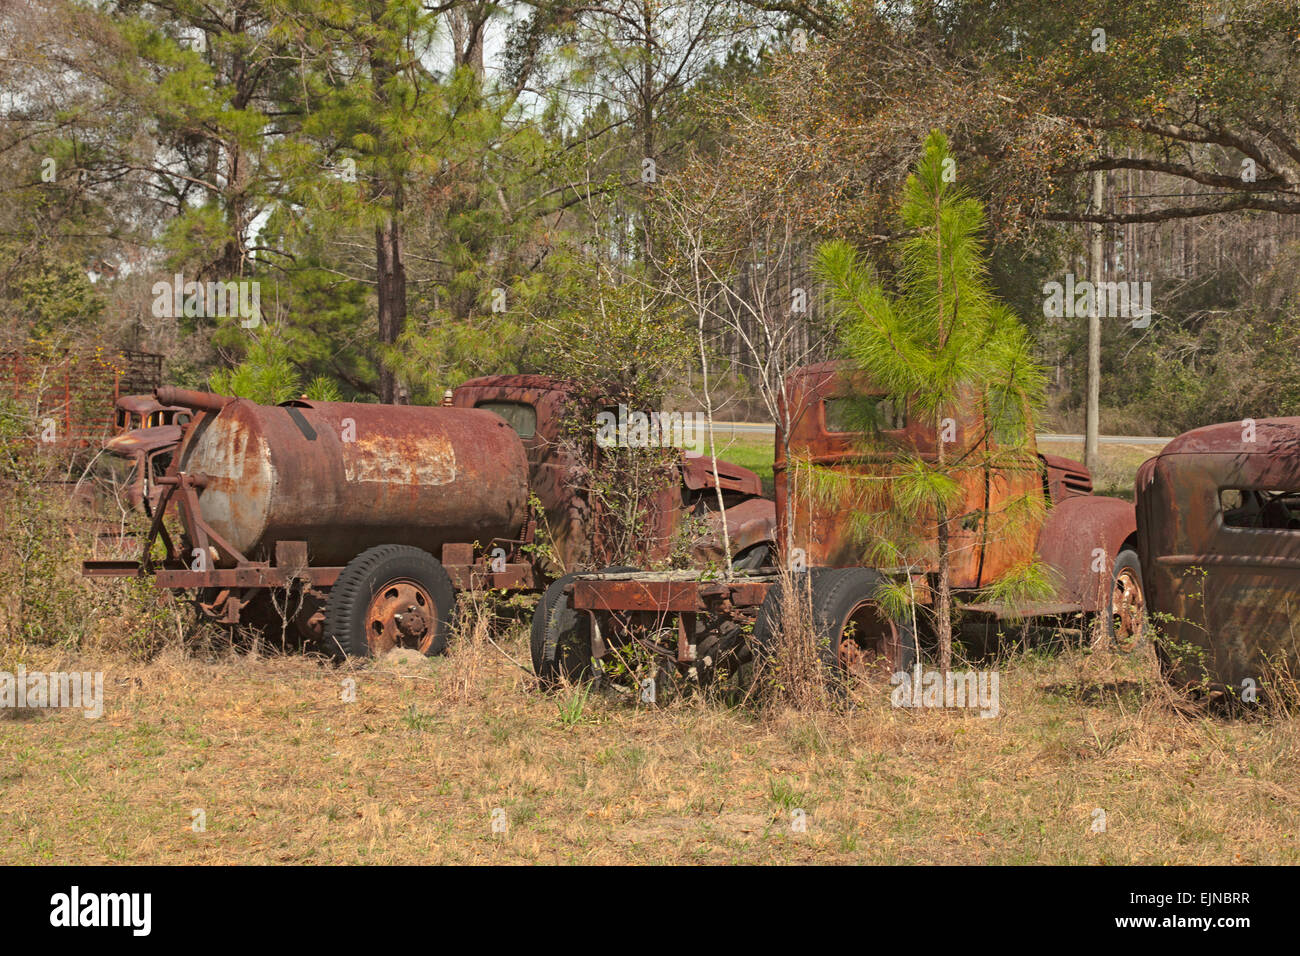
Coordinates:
[767,428]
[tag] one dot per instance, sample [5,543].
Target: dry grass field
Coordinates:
[431,753]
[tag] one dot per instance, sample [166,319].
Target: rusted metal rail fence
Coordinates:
[75,389]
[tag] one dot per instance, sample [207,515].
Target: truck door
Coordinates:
[1251,569]
[1012,479]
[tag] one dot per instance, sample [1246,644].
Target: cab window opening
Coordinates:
[520,416]
[1262,509]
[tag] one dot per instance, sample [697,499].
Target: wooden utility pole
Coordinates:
[1094,333]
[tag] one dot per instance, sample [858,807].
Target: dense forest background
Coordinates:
[426,191]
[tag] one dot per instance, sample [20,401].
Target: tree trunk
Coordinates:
[467,37]
[1093,412]
[391,289]
[943,607]
[646,94]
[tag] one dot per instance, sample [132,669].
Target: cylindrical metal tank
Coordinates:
[345,477]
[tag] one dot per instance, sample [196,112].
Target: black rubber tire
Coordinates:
[1126,559]
[835,594]
[754,558]
[555,622]
[367,575]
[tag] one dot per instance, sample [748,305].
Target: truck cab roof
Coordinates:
[1267,436]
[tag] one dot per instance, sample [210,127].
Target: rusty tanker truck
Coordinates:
[355,525]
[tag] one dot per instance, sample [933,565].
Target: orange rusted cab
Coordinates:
[1079,535]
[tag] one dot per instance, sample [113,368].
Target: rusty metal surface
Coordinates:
[661,596]
[134,412]
[139,405]
[980,549]
[1030,609]
[661,593]
[248,576]
[1128,605]
[478,577]
[143,440]
[345,477]
[401,614]
[187,398]
[747,594]
[1066,478]
[1069,542]
[146,448]
[552,471]
[1232,593]
[750,523]
[111,569]
[698,474]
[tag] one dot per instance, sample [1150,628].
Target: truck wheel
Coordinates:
[387,597]
[856,638]
[560,637]
[1126,609]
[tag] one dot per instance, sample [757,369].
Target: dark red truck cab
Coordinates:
[1219,536]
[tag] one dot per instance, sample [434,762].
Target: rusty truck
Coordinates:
[537,408]
[355,525]
[1218,514]
[146,436]
[702,627]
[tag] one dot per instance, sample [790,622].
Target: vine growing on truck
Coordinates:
[941,342]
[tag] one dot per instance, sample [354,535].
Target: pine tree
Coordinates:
[942,341]
[382,138]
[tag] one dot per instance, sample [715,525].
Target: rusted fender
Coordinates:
[749,523]
[1080,540]
[129,444]
[698,474]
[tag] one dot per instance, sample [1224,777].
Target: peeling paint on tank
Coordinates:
[373,474]
[428,460]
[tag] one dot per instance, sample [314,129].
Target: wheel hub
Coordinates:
[1128,606]
[869,643]
[400,615]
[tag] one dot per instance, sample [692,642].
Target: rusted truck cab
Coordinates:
[1218,515]
[146,434]
[148,452]
[136,412]
[1078,535]
[536,406]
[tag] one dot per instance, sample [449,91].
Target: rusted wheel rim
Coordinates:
[401,614]
[869,645]
[1128,607]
